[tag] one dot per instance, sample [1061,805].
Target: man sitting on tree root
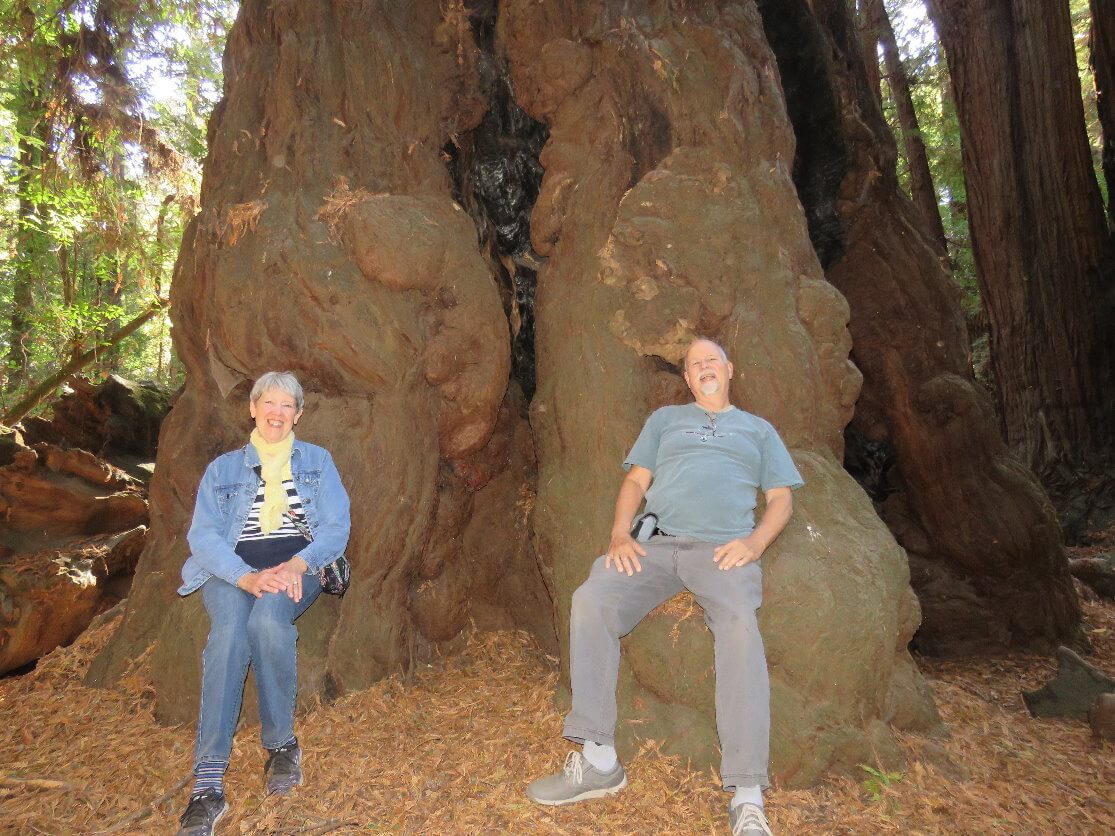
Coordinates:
[707,460]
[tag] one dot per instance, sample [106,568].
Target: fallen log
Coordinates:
[48,597]
[71,530]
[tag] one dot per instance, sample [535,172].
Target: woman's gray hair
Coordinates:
[284,382]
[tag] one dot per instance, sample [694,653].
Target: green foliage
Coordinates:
[878,783]
[103,111]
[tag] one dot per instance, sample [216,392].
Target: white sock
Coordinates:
[601,756]
[748,795]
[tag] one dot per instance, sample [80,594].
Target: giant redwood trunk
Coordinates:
[667,210]
[1040,239]
[329,243]
[983,543]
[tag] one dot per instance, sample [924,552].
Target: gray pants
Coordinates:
[609,604]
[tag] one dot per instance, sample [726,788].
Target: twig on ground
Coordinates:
[324,827]
[144,812]
[35,783]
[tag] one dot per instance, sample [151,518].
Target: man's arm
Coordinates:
[623,551]
[744,550]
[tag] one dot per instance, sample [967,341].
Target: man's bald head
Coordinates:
[706,342]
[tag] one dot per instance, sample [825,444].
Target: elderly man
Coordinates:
[699,466]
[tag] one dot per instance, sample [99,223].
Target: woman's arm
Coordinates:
[206,536]
[332,519]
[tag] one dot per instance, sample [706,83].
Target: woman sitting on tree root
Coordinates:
[268,518]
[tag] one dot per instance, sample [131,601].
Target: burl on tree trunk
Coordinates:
[985,549]
[328,243]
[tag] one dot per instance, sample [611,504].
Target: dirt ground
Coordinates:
[452,752]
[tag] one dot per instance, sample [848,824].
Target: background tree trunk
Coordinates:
[868,29]
[1040,240]
[922,190]
[1102,45]
[983,543]
[32,149]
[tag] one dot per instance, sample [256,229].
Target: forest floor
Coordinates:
[452,751]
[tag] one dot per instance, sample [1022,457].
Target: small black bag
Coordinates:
[336,576]
[645,527]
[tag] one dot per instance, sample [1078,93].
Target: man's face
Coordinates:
[706,370]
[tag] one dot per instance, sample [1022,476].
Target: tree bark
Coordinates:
[983,545]
[1040,238]
[868,28]
[1102,47]
[922,190]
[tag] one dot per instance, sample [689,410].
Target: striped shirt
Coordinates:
[262,551]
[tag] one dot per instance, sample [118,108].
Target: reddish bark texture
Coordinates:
[983,542]
[1039,235]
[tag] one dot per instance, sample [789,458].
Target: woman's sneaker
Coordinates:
[202,813]
[578,780]
[283,771]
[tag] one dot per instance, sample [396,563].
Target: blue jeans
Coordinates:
[248,630]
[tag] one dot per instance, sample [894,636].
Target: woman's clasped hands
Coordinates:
[286,577]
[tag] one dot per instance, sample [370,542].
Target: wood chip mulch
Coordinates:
[452,751]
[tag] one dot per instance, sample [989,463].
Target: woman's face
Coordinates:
[274,414]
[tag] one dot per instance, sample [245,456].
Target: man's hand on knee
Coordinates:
[624,553]
[738,552]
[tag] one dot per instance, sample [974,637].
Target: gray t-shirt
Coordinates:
[707,472]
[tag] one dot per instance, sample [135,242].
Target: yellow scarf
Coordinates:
[275,458]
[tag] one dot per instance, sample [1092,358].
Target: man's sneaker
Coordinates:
[283,771]
[578,780]
[202,813]
[748,820]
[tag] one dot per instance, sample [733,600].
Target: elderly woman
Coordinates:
[268,518]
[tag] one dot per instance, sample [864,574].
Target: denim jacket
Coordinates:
[225,497]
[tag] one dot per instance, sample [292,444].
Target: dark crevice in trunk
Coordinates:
[648,135]
[870,463]
[821,163]
[821,160]
[496,174]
